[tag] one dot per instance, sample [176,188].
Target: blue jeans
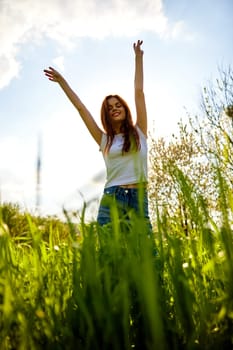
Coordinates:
[125,200]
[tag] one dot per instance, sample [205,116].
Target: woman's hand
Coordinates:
[137,47]
[53,75]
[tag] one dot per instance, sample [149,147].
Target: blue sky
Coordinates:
[90,42]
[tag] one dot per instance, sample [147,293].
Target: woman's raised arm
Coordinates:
[138,88]
[86,116]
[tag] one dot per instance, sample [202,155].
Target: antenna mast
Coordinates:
[38,176]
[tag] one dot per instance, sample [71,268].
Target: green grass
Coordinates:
[69,286]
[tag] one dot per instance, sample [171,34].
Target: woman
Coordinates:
[123,145]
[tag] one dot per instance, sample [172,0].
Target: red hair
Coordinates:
[131,137]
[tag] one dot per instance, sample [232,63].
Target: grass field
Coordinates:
[80,286]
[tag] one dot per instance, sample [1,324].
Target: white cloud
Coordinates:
[14,153]
[66,158]
[23,21]
[59,62]
[179,30]
[68,165]
[17,170]
[9,68]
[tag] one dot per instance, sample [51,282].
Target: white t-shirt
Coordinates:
[127,168]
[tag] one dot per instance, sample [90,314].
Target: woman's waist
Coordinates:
[132,186]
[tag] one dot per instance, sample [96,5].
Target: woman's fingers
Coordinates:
[52,74]
[137,46]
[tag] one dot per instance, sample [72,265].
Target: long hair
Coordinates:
[131,137]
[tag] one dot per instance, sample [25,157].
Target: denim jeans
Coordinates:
[125,200]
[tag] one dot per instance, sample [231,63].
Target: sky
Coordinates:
[91,43]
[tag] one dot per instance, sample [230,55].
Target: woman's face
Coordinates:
[116,110]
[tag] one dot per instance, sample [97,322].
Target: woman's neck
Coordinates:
[118,129]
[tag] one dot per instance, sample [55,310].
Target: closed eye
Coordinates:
[116,104]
